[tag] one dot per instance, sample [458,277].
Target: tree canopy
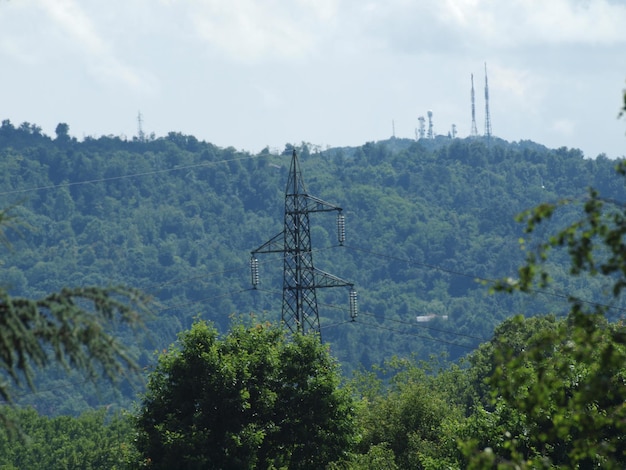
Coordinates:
[253,399]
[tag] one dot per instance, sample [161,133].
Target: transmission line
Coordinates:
[115,178]
[558,295]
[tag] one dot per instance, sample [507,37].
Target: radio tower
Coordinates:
[422,128]
[140,134]
[474,131]
[431,134]
[300,277]
[487,116]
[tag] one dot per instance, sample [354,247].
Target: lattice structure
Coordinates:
[487,115]
[474,131]
[300,277]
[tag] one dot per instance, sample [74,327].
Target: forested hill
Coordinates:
[426,222]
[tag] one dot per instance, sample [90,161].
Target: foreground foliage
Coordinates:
[253,399]
[567,384]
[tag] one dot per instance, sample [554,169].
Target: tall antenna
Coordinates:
[474,131]
[431,134]
[487,116]
[422,128]
[393,128]
[140,134]
[300,277]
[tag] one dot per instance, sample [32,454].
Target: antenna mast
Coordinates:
[300,277]
[431,134]
[422,127]
[487,116]
[140,134]
[474,131]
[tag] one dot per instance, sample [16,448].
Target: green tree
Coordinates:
[253,399]
[62,131]
[410,422]
[566,384]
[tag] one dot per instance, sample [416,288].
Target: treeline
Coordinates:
[428,224]
[253,400]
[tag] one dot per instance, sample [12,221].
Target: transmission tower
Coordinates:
[140,134]
[474,131]
[300,277]
[422,128]
[487,116]
[431,133]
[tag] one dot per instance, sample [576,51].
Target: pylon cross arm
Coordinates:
[324,279]
[273,245]
[315,204]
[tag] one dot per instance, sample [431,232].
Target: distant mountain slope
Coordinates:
[178,217]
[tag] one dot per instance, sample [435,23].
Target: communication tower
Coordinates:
[487,116]
[453,131]
[431,134]
[300,277]
[474,131]
[422,127]
[140,134]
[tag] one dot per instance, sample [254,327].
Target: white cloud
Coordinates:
[250,31]
[455,27]
[563,127]
[81,33]
[527,22]
[253,31]
[17,50]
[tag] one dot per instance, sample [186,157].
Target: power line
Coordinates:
[404,322]
[425,327]
[333,325]
[409,333]
[205,299]
[114,178]
[558,295]
[155,287]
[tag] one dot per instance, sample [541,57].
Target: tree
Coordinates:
[62,131]
[411,422]
[253,399]
[68,327]
[566,384]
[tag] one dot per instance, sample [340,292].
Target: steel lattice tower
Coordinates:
[487,116]
[474,131]
[300,277]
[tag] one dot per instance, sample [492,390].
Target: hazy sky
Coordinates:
[252,73]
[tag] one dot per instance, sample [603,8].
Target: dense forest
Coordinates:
[428,223]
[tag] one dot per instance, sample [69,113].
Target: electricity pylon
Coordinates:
[300,277]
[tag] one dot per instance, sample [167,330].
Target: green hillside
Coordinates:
[428,223]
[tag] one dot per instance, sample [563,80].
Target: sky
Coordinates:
[256,73]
